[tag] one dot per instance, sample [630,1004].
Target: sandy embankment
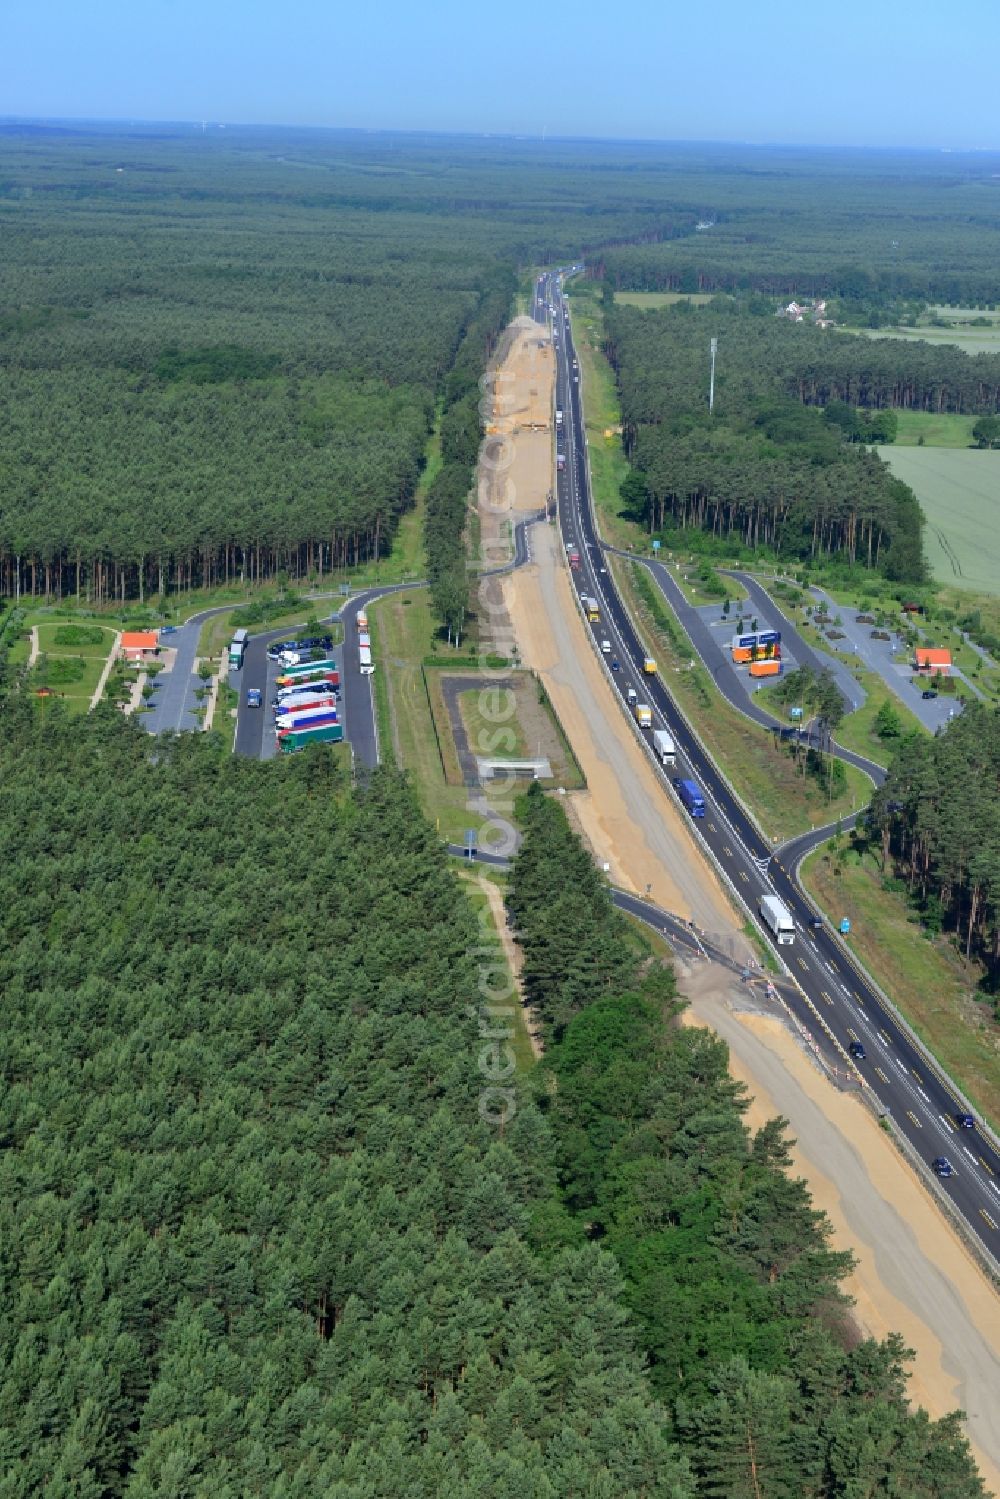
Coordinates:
[913,1274]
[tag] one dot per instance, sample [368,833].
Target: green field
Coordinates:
[959,494]
[938,429]
[663,298]
[972,340]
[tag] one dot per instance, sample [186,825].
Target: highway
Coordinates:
[830,990]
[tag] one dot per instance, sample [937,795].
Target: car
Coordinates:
[631,694]
[616,664]
[857,1050]
[965,1121]
[253,697]
[606,647]
[603,569]
[168,629]
[928,693]
[943,1166]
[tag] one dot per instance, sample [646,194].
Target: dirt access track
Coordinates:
[913,1273]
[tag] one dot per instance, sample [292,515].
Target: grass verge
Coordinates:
[407,633]
[925,977]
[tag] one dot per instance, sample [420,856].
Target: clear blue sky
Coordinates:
[875,73]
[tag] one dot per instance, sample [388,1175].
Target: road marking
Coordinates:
[858,997]
[886,1038]
[916,1074]
[969,1153]
[985,1164]
[853,1034]
[834,966]
[985,1214]
[712,828]
[882,1075]
[923,1095]
[828,999]
[744,876]
[946,1121]
[803,965]
[911,1115]
[727,851]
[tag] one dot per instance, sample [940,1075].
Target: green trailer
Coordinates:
[296,739]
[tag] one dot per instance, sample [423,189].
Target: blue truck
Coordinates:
[691,797]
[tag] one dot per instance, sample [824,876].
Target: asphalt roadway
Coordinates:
[831,993]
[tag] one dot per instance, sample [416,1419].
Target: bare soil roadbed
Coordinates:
[913,1274]
[628,820]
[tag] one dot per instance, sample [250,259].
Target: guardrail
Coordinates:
[985,1259]
[945,1080]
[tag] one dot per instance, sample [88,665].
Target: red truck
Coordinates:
[574,561]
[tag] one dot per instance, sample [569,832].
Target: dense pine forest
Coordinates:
[256,1237]
[257,1234]
[936,822]
[764,469]
[728,1271]
[221,355]
[871,228]
[222,352]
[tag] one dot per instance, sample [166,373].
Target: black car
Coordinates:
[943,1166]
[965,1121]
[928,693]
[857,1050]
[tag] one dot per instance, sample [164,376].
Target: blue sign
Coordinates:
[845,927]
[768,637]
[656,546]
[796,713]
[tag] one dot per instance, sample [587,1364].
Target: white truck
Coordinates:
[664,746]
[558,416]
[778,919]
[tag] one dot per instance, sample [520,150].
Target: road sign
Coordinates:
[796,714]
[845,927]
[656,546]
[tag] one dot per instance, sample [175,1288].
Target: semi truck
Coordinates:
[778,920]
[664,746]
[365,660]
[302,717]
[643,715]
[574,560]
[329,683]
[591,608]
[559,416]
[326,701]
[310,672]
[361,620]
[296,739]
[560,462]
[238,648]
[691,797]
[649,666]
